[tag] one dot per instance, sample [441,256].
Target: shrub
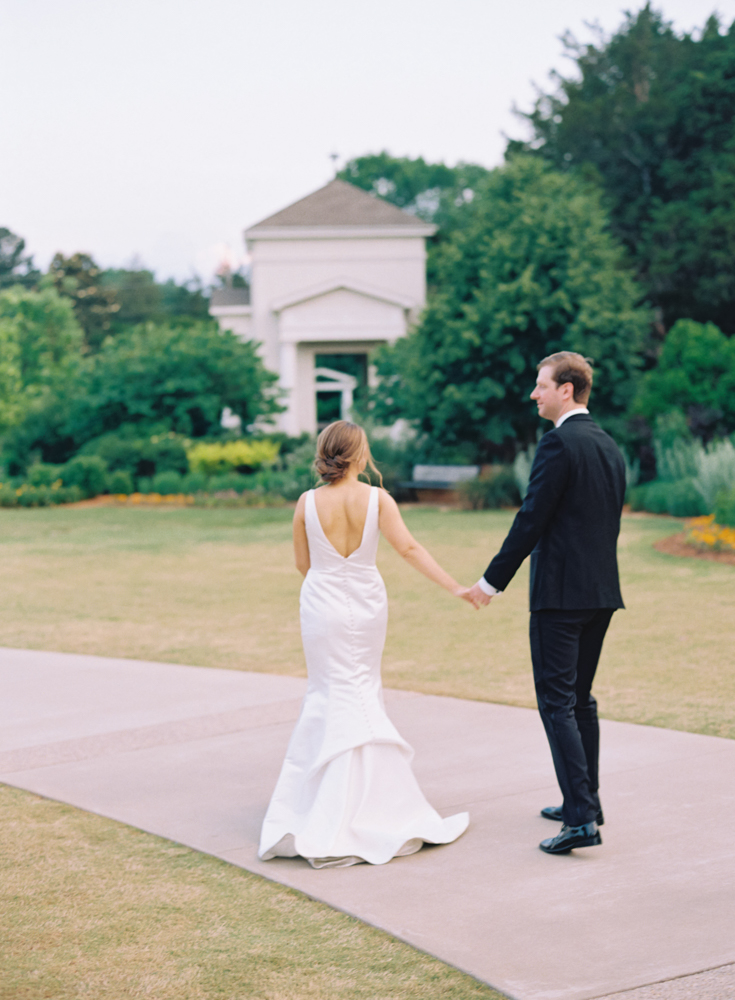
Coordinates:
[287,444]
[715,471]
[221,457]
[38,496]
[195,482]
[684,499]
[145,484]
[287,483]
[293,475]
[42,474]
[140,456]
[7,496]
[657,498]
[120,481]
[32,496]
[725,508]
[636,497]
[229,481]
[495,488]
[395,459]
[167,482]
[679,499]
[677,460]
[88,472]
[249,498]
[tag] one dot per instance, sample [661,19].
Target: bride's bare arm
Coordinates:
[300,543]
[395,531]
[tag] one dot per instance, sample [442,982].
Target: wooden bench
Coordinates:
[438,483]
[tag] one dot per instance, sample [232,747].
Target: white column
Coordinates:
[346,403]
[289,420]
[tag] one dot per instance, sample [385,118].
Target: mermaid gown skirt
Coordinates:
[346,792]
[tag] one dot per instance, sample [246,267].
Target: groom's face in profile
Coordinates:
[550,398]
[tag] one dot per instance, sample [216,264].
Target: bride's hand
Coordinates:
[466,595]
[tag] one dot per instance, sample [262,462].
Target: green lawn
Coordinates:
[94,909]
[91,908]
[217,588]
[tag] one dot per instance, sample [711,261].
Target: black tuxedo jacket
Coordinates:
[569,521]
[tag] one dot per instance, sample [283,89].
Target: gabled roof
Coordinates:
[339,204]
[339,284]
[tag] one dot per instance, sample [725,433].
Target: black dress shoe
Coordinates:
[570,837]
[554,812]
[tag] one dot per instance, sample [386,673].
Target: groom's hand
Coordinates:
[478,596]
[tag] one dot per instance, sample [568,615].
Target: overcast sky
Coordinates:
[162,128]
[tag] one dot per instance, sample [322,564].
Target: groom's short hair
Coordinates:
[570,367]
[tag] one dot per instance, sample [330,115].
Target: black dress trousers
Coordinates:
[565,650]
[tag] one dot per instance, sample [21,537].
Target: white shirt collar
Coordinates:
[570,413]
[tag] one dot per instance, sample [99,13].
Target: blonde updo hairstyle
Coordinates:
[337,447]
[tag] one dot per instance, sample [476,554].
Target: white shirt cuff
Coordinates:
[487,588]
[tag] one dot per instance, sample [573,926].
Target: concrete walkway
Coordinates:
[192,754]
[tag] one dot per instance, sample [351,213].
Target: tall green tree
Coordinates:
[651,112]
[411,184]
[11,385]
[137,293]
[185,300]
[432,191]
[429,190]
[531,270]
[40,347]
[16,266]
[179,377]
[143,299]
[95,305]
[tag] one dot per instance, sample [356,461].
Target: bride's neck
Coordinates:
[350,476]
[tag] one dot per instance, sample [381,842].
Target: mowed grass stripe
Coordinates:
[218,588]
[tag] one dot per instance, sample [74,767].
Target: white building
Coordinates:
[333,276]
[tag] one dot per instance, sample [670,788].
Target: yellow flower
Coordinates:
[706,533]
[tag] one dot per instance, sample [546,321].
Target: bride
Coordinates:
[346,792]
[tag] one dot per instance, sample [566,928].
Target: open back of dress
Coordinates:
[346,792]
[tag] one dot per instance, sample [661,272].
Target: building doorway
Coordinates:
[341,386]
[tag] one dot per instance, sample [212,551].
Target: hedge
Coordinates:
[679,499]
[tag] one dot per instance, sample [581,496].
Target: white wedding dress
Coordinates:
[346,792]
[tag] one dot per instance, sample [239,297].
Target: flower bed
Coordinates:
[181,499]
[222,498]
[704,533]
[30,496]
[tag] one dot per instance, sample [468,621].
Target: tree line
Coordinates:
[609,230]
[86,353]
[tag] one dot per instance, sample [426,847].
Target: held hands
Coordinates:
[477,596]
[473,595]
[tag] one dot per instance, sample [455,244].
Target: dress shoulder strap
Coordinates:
[310,508]
[372,518]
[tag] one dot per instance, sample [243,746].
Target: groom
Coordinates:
[569,523]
